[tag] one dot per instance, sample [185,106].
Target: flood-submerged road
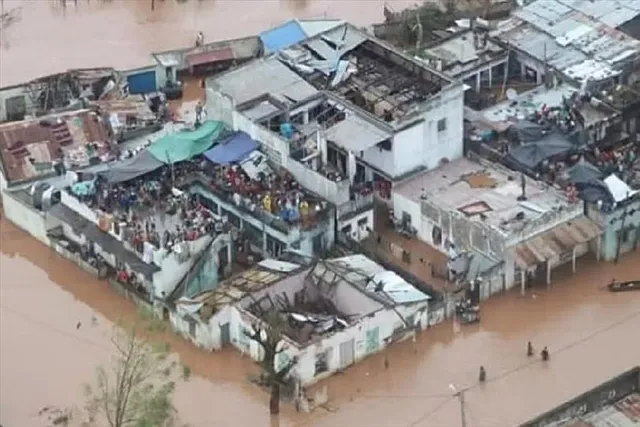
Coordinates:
[592,335]
[45,360]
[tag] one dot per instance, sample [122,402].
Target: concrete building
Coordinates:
[526,227]
[602,137]
[58,92]
[620,220]
[221,55]
[578,41]
[469,56]
[615,403]
[346,114]
[334,312]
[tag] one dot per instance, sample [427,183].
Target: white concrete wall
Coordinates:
[358,232]
[422,144]
[409,154]
[34,222]
[334,192]
[403,204]
[386,320]
[172,271]
[78,207]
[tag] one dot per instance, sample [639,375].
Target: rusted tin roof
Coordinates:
[29,148]
[210,56]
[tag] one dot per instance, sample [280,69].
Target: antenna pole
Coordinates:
[463,415]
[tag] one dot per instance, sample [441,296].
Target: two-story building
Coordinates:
[473,206]
[346,114]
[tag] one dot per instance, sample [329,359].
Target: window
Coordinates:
[363,222]
[322,361]
[346,229]
[192,327]
[442,125]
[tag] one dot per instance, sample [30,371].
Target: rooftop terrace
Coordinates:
[344,61]
[485,193]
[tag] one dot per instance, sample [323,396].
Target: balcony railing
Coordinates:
[353,207]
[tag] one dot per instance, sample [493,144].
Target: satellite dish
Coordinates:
[512,94]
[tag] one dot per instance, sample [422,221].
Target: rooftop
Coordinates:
[29,149]
[331,296]
[483,192]
[525,105]
[230,291]
[615,403]
[462,52]
[577,38]
[223,50]
[344,61]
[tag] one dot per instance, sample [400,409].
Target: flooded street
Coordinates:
[590,332]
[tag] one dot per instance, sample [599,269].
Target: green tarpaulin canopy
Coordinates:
[185,145]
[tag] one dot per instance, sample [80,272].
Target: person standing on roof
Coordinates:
[200,39]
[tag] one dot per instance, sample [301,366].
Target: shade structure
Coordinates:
[132,168]
[233,149]
[185,145]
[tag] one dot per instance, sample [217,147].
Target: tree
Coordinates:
[138,388]
[268,335]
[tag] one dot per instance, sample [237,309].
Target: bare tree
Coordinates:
[137,389]
[268,335]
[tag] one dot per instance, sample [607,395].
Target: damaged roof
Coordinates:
[371,277]
[577,39]
[29,148]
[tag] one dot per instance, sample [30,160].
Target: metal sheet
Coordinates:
[217,55]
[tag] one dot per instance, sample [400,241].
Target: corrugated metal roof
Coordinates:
[266,76]
[572,32]
[283,36]
[362,271]
[555,242]
[313,27]
[356,134]
[217,55]
[42,139]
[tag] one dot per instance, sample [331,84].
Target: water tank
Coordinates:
[44,195]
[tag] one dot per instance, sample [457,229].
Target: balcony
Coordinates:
[354,207]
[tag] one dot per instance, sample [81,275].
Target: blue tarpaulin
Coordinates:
[232,150]
[282,37]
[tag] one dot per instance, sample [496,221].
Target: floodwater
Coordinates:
[44,360]
[122,33]
[592,335]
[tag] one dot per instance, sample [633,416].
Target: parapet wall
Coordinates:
[591,401]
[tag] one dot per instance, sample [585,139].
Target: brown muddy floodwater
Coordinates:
[591,333]
[123,33]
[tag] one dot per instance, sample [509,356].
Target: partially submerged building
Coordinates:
[331,313]
[524,227]
[346,114]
